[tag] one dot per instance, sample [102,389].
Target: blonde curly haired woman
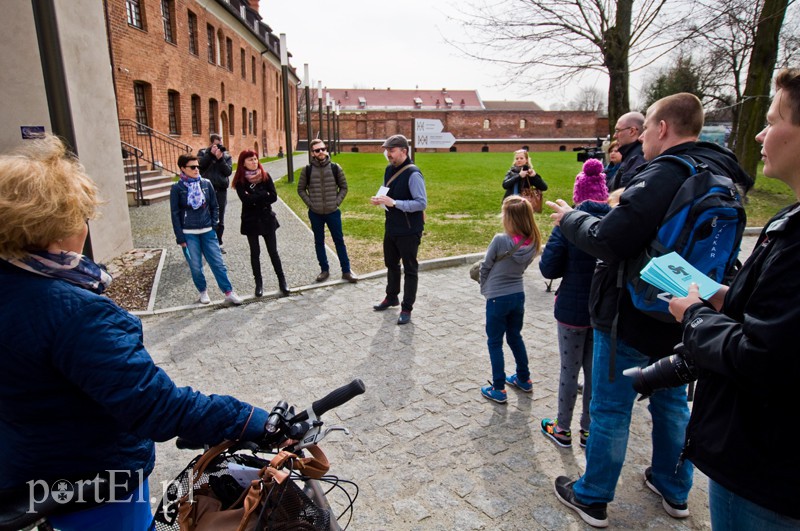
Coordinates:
[80,396]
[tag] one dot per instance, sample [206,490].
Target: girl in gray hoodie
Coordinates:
[507,258]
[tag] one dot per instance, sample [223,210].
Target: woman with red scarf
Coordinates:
[257,191]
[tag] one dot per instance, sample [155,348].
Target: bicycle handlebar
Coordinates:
[334,399]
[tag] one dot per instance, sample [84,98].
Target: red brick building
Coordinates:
[368,116]
[189,68]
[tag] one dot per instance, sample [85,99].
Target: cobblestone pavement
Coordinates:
[427,451]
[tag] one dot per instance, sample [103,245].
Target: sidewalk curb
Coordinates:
[425,265]
[156,280]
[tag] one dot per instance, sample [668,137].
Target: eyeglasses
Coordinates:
[319,150]
[624,129]
[193,167]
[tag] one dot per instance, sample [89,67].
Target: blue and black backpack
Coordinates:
[704,224]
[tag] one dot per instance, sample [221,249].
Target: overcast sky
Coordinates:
[359,43]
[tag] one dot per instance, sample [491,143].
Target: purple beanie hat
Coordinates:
[590,184]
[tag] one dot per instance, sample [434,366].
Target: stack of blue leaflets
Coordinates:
[672,274]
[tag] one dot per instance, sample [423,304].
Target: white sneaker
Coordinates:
[233,298]
[204,298]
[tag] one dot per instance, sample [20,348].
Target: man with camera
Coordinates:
[742,343]
[216,165]
[626,133]
[625,337]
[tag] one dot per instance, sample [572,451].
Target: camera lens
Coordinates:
[671,371]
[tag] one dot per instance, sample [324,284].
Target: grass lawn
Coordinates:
[464,196]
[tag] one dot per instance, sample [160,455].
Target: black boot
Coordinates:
[284,289]
[259,287]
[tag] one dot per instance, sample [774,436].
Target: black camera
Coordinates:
[590,152]
[672,371]
[222,148]
[525,167]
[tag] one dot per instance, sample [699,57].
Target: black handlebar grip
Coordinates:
[335,398]
[186,444]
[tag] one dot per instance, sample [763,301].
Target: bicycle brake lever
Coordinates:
[335,428]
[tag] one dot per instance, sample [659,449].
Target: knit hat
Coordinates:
[590,184]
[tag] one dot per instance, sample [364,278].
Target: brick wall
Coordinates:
[474,130]
[145,56]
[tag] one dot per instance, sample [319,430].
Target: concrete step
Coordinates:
[145,173]
[150,197]
[157,179]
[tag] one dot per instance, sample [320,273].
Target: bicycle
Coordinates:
[233,473]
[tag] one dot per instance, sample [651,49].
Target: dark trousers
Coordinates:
[334,223]
[395,250]
[255,254]
[222,201]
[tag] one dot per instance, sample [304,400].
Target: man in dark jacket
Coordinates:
[323,187]
[216,165]
[672,127]
[405,200]
[627,132]
[743,341]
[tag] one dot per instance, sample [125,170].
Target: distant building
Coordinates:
[189,68]
[368,116]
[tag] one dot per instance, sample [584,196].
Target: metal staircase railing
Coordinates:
[133,181]
[160,150]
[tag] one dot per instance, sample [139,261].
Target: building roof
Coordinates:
[511,106]
[393,99]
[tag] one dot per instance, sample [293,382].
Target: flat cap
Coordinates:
[396,141]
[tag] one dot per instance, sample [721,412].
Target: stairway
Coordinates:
[155,183]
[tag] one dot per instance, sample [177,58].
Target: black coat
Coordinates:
[746,398]
[561,259]
[257,215]
[632,159]
[626,231]
[512,179]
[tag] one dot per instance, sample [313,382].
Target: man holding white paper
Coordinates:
[404,198]
[671,127]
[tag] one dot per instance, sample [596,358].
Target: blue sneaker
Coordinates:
[519,384]
[491,393]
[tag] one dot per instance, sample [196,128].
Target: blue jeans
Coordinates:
[729,511]
[132,514]
[206,245]
[334,222]
[504,316]
[610,409]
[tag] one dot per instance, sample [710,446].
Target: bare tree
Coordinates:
[570,37]
[589,99]
[755,99]
[741,42]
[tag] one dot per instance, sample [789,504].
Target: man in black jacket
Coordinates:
[216,165]
[743,342]
[672,127]
[627,133]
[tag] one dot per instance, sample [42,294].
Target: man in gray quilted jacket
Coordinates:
[323,187]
